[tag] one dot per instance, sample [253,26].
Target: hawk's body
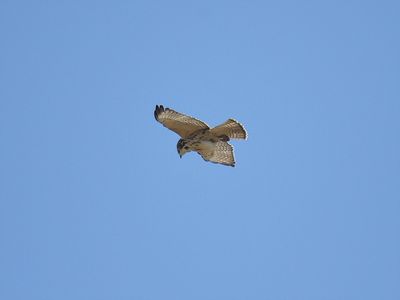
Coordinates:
[211,143]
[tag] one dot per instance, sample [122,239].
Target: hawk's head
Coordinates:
[182,147]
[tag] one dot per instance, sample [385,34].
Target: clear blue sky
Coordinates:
[95,202]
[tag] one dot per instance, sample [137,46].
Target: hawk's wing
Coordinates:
[180,123]
[220,153]
[231,128]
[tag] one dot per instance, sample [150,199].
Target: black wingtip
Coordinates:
[155,112]
[158,110]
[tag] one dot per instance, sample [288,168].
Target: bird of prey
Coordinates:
[211,143]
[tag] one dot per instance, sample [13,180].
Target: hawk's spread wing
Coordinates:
[231,128]
[180,123]
[220,153]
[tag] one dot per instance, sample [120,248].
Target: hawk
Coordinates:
[211,143]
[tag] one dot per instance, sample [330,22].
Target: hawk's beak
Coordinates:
[180,155]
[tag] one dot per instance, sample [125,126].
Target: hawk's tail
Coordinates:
[231,129]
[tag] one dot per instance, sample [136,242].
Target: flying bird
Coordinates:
[211,143]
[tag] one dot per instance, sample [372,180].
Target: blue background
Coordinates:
[95,202]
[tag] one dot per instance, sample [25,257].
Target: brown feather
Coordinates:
[220,153]
[181,124]
[231,128]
